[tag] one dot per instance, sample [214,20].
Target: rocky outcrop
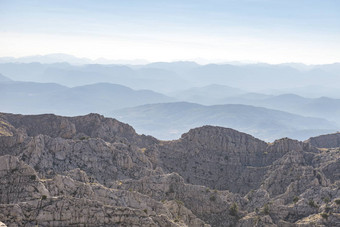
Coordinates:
[28,200]
[101,160]
[6,129]
[222,158]
[18,181]
[82,127]
[61,211]
[325,141]
[212,206]
[91,170]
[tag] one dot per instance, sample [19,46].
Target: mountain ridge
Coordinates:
[211,176]
[161,119]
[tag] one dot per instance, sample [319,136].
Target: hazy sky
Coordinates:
[272,31]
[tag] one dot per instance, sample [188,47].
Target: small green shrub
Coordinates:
[337,201]
[324,215]
[312,203]
[44,197]
[326,200]
[179,202]
[266,209]
[233,210]
[171,189]
[296,199]
[212,198]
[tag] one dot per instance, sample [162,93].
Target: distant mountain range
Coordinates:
[4,78]
[209,95]
[33,98]
[260,99]
[322,107]
[71,75]
[177,76]
[170,120]
[60,57]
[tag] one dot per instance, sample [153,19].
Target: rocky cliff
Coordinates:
[96,171]
[326,141]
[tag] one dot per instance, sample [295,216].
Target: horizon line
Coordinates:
[137,61]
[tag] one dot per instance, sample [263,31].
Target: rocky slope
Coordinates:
[91,170]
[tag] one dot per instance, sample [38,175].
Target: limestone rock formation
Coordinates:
[91,170]
[325,141]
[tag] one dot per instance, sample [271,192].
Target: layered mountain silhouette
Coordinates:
[170,120]
[176,76]
[4,78]
[298,117]
[29,97]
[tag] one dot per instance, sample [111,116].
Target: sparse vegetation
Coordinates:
[171,189]
[312,203]
[266,209]
[327,209]
[295,199]
[324,215]
[43,197]
[212,198]
[337,201]
[326,200]
[143,149]
[233,210]
[179,202]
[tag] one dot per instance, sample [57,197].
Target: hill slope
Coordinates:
[33,98]
[169,120]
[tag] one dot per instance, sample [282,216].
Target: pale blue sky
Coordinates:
[271,31]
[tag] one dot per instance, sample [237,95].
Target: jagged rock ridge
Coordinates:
[92,170]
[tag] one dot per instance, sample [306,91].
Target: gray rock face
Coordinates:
[82,127]
[223,158]
[90,170]
[326,141]
[19,181]
[62,201]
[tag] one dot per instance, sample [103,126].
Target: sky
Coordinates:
[271,31]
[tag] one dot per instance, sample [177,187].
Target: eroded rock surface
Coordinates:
[326,141]
[91,170]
